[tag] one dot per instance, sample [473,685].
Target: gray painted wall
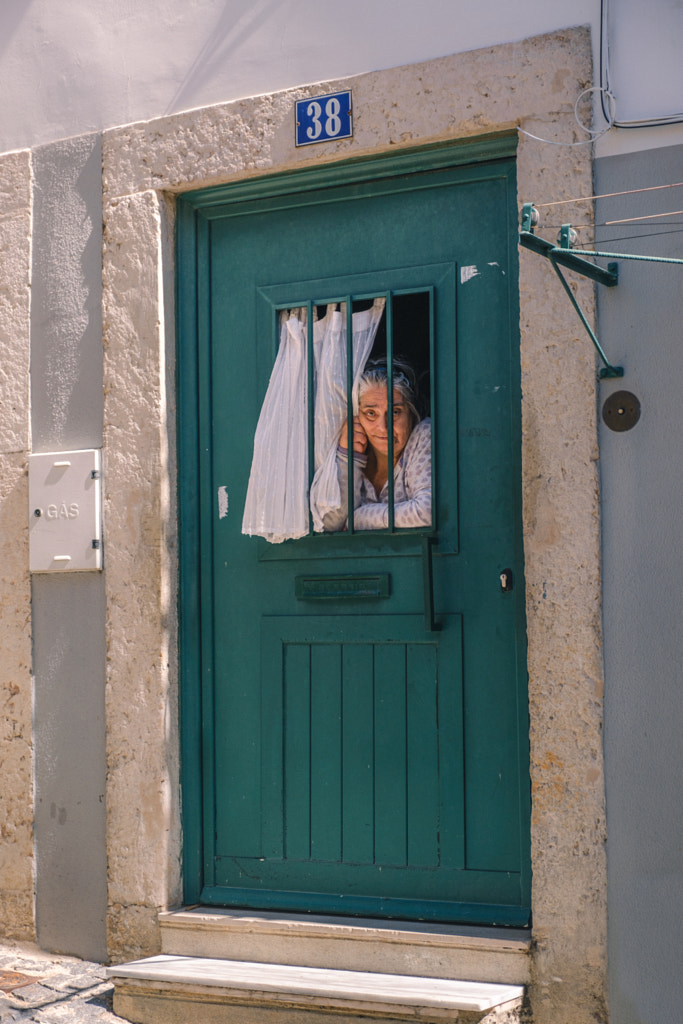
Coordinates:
[641,327]
[68,608]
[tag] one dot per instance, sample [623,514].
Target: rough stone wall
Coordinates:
[534,84]
[16,742]
[143,834]
[562,567]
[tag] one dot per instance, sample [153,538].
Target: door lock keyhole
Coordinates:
[506,581]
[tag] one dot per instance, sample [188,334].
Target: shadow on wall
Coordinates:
[11,13]
[237,23]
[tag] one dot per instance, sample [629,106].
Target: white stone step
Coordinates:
[353,944]
[163,989]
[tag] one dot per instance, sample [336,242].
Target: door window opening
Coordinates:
[331,371]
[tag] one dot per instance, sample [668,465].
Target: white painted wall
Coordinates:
[645,45]
[76,66]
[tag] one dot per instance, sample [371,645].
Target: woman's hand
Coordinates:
[360,438]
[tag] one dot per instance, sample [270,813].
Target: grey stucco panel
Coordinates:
[642,498]
[71,861]
[68,608]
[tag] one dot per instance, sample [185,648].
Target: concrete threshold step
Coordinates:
[351,944]
[170,989]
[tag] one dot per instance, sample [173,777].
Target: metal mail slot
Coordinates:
[321,588]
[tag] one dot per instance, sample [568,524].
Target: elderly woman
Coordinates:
[412,466]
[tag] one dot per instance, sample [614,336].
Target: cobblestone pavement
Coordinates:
[44,988]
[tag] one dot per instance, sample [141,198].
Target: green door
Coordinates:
[354,704]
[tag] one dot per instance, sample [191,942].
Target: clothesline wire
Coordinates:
[628,220]
[607,223]
[627,238]
[609,195]
[647,216]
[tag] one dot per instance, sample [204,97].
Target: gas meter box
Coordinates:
[65,511]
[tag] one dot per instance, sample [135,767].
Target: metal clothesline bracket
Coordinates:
[562,255]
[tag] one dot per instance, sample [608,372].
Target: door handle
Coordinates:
[431,625]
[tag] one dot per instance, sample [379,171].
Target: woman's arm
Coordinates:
[416,511]
[336,519]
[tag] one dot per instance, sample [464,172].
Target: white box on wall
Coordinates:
[65,511]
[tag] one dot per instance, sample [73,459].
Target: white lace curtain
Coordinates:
[277,504]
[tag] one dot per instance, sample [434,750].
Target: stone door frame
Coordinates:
[532,84]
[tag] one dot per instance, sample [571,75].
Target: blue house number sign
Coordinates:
[324,119]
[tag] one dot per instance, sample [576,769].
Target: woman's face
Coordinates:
[373,414]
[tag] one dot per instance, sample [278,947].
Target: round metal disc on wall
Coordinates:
[621,410]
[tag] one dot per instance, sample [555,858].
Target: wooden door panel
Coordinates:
[352,760]
[355,766]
